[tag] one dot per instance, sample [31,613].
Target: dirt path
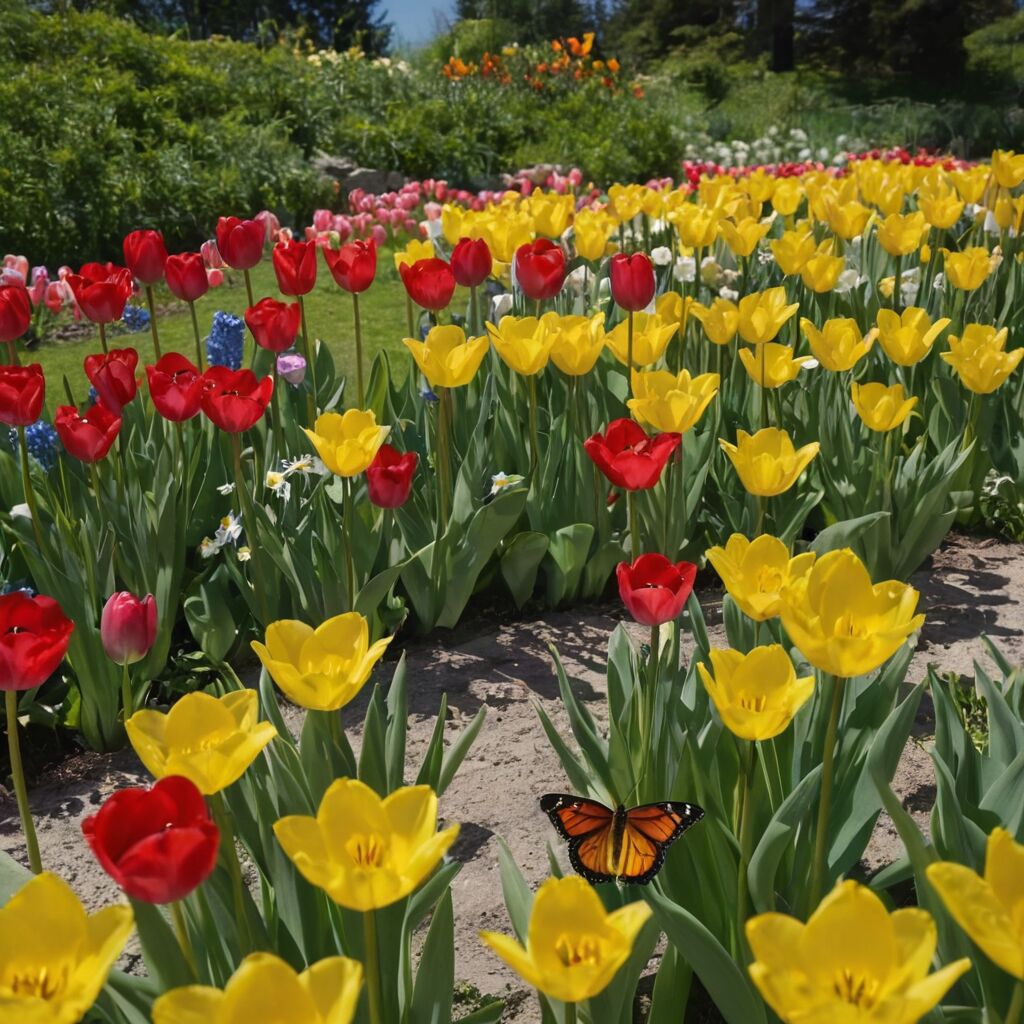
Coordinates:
[972,587]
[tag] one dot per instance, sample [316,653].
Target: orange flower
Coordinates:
[613,66]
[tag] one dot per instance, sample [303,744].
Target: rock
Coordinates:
[350,176]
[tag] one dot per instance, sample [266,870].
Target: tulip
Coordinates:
[576,342]
[720,320]
[523,342]
[389,477]
[295,267]
[669,402]
[176,387]
[942,210]
[353,266]
[186,276]
[128,627]
[145,255]
[773,365]
[363,851]
[265,988]
[847,220]
[15,312]
[900,233]
[347,442]
[654,589]
[112,374]
[415,251]
[240,242]
[208,740]
[852,961]
[324,668]
[1008,168]
[101,291]
[58,956]
[157,844]
[839,345]
[540,269]
[628,457]
[430,283]
[274,325]
[754,572]
[590,232]
[87,438]
[766,462]
[447,359]
[979,358]
[34,635]
[881,408]
[821,272]
[792,250]
[762,314]
[742,236]
[574,947]
[22,389]
[969,269]
[234,400]
[698,226]
[907,337]
[471,262]
[632,281]
[651,335]
[756,694]
[291,368]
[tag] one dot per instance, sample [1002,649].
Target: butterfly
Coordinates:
[624,845]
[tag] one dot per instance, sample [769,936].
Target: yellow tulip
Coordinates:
[925,255]
[671,402]
[454,222]
[625,201]
[1008,168]
[265,988]
[55,956]
[363,851]
[759,185]
[698,226]
[980,359]
[989,908]
[446,358]
[969,269]
[881,408]
[651,336]
[755,571]
[851,962]
[841,622]
[756,694]
[591,232]
[971,182]
[792,250]
[551,213]
[772,365]
[209,740]
[821,272]
[523,342]
[720,320]
[415,251]
[908,337]
[674,309]
[322,668]
[900,233]
[577,342]
[766,462]
[347,442]
[762,314]
[574,946]
[742,237]
[788,194]
[839,345]
[504,232]
[941,209]
[847,220]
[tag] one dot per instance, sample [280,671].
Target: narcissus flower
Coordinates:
[347,442]
[756,694]
[632,281]
[671,402]
[265,988]
[363,851]
[771,365]
[322,668]
[907,337]
[989,908]
[574,947]
[969,269]
[447,358]
[852,961]
[762,314]
[841,622]
[628,457]
[1008,168]
[838,345]
[900,234]
[576,342]
[766,462]
[523,342]
[22,389]
[980,359]
[755,571]
[56,957]
[651,335]
[881,408]
[720,320]
[654,589]
[210,741]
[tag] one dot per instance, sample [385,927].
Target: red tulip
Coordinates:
[353,266]
[632,279]
[113,376]
[176,387]
[430,282]
[128,627]
[295,266]
[471,262]
[158,844]
[34,636]
[101,290]
[389,476]
[655,590]
[628,457]
[240,242]
[186,276]
[88,438]
[22,389]
[145,255]
[15,311]
[274,324]
[234,399]
[540,269]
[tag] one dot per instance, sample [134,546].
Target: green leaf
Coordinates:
[457,752]
[521,562]
[435,980]
[517,894]
[164,960]
[12,876]
[843,534]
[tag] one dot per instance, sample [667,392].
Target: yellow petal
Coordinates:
[194,1004]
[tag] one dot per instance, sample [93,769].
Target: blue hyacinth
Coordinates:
[41,439]
[136,318]
[225,340]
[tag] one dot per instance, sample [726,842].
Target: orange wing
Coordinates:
[588,827]
[650,830]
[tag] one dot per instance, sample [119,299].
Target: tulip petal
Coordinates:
[515,956]
[192,1004]
[334,985]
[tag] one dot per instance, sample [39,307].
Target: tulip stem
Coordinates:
[360,390]
[249,519]
[229,853]
[248,287]
[897,279]
[309,351]
[409,320]
[30,494]
[371,964]
[103,336]
[181,932]
[825,799]
[346,524]
[126,691]
[634,533]
[12,353]
[18,777]
[746,822]
[443,458]
[1013,1014]
[764,386]
[570,1013]
[151,302]
[534,443]
[629,354]
[200,361]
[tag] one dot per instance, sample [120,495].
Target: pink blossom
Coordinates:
[379,234]
[271,224]
[215,276]
[211,255]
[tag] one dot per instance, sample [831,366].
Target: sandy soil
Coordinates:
[972,587]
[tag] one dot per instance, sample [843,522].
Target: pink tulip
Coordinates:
[575,177]
[128,627]
[432,211]
[215,277]
[409,226]
[379,234]
[271,225]
[396,218]
[19,264]
[211,255]
[322,219]
[54,296]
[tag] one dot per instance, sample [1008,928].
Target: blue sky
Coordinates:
[415,21]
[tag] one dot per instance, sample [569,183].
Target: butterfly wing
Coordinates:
[650,830]
[587,826]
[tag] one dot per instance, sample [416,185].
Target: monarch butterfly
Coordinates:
[624,845]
